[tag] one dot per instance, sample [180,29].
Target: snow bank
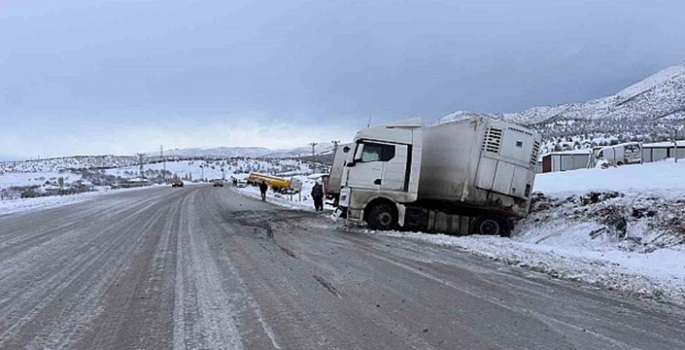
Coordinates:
[659,275]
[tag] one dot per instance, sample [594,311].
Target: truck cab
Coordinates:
[381,173]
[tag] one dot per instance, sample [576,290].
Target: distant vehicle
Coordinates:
[468,176]
[621,154]
[176,183]
[218,183]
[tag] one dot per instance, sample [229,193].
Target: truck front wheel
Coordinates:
[492,225]
[382,217]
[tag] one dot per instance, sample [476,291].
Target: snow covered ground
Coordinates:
[619,228]
[216,169]
[296,201]
[38,178]
[25,204]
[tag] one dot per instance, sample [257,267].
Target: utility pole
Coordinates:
[140,162]
[161,154]
[313,144]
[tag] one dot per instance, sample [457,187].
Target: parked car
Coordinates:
[176,183]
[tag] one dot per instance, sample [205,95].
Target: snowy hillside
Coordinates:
[649,110]
[321,149]
[213,169]
[33,179]
[71,164]
[226,152]
[246,152]
[66,163]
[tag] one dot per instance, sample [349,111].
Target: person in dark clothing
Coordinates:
[317,195]
[263,187]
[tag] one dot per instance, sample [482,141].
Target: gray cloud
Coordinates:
[95,64]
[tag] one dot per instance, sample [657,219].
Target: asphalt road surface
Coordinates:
[205,268]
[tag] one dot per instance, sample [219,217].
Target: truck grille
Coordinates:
[534,156]
[493,140]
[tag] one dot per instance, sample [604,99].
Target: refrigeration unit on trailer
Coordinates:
[469,176]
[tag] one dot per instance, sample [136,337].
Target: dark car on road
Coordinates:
[177,183]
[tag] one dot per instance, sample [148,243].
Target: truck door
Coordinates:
[366,172]
[395,158]
[381,166]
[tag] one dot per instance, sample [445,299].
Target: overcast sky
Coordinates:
[94,77]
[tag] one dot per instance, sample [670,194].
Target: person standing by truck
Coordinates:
[317,196]
[263,187]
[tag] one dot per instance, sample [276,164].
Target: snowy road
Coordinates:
[205,268]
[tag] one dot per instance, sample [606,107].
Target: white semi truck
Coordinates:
[462,177]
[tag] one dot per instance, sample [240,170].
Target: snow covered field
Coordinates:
[213,169]
[29,179]
[632,240]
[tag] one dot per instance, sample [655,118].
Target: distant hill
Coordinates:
[650,110]
[247,152]
[227,152]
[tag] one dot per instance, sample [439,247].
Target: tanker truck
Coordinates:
[469,176]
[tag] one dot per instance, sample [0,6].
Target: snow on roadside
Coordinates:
[659,275]
[10,206]
[302,201]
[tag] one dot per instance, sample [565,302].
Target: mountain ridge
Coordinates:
[651,110]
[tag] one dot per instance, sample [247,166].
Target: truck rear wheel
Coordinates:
[492,225]
[382,217]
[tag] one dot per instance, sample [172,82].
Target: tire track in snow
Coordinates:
[199,288]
